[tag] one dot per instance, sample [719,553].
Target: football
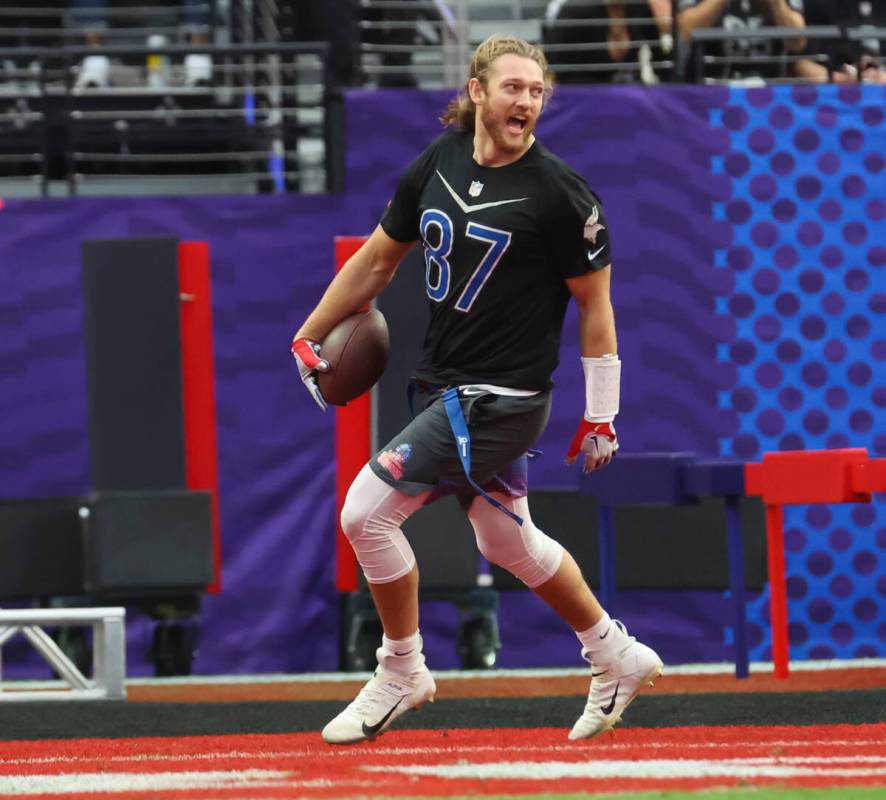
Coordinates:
[357,352]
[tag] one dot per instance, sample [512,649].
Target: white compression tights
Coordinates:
[526,552]
[374,511]
[371,518]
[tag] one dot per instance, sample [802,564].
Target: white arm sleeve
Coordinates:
[602,383]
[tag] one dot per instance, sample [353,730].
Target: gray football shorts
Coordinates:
[423,456]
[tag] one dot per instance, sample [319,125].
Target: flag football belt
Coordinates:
[463,446]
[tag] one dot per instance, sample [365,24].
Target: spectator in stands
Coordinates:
[395,31]
[562,27]
[848,61]
[92,17]
[742,58]
[661,12]
[331,21]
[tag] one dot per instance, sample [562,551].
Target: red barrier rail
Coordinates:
[804,477]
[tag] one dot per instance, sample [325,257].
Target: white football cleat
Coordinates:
[384,698]
[614,685]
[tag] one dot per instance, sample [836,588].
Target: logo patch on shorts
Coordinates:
[394,460]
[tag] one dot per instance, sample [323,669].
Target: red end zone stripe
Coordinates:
[198,378]
[446,763]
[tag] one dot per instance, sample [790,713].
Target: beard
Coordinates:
[495,126]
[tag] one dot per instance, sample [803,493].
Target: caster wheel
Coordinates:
[173,650]
[477,644]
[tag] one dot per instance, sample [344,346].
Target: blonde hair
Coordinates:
[460,112]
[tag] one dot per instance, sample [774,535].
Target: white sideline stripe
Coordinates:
[600,750]
[664,768]
[473,675]
[137,782]
[816,760]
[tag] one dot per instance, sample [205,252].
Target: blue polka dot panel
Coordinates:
[808,298]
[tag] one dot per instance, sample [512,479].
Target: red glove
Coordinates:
[307,355]
[598,443]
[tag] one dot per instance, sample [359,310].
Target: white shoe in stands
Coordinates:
[95,73]
[198,69]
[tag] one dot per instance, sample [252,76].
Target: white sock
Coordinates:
[597,640]
[401,656]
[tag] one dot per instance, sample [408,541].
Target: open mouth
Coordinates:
[516,125]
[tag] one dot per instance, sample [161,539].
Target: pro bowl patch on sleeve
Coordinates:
[395,460]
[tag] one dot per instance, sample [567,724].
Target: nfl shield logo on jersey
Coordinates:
[475,189]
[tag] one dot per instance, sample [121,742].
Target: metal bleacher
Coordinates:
[258,124]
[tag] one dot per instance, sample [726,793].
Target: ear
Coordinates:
[476,91]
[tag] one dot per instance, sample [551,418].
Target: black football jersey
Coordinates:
[498,243]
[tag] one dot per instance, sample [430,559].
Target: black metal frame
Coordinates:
[64,94]
[703,36]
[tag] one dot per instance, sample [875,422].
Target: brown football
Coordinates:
[357,352]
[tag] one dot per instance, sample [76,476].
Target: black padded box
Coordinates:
[145,542]
[106,544]
[41,548]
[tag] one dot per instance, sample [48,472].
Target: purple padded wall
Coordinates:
[649,154]
[271,258]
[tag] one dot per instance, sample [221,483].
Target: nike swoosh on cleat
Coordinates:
[372,730]
[608,709]
[469,209]
[598,674]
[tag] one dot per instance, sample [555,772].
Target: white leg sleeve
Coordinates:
[371,518]
[526,552]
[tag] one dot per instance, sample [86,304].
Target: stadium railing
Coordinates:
[700,60]
[243,132]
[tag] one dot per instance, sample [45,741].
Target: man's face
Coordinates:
[511,101]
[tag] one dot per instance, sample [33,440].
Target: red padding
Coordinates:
[778,597]
[353,444]
[807,476]
[869,476]
[198,377]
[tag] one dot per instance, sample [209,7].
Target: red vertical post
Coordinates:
[353,447]
[778,602]
[198,385]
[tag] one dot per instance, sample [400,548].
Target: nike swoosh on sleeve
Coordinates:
[592,256]
[478,206]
